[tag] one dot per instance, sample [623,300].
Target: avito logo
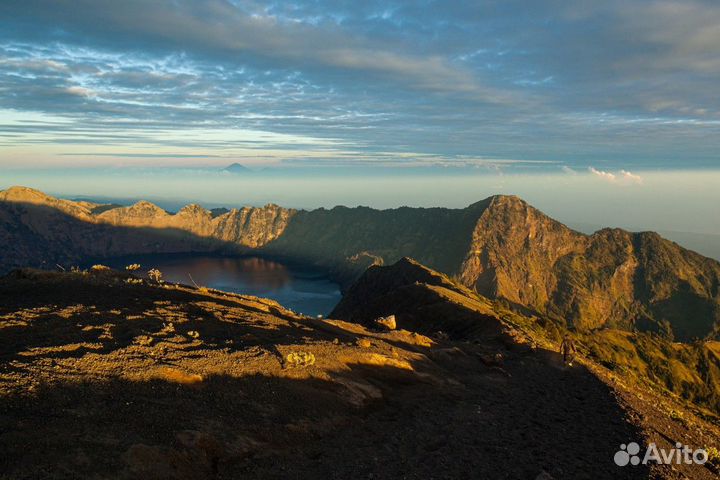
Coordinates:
[630,455]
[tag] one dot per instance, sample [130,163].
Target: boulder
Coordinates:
[387,323]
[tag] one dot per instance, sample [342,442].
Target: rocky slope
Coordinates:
[106,376]
[501,246]
[610,278]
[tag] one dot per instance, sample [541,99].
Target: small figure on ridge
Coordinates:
[568,350]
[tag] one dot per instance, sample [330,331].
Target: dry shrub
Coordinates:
[155,275]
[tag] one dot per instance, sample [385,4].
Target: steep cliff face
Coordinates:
[248,227]
[36,229]
[252,227]
[513,247]
[610,278]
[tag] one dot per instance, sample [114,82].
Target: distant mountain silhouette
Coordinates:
[236,168]
[501,246]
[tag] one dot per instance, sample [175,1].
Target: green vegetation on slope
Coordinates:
[689,371]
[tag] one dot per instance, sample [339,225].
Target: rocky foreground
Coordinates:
[106,376]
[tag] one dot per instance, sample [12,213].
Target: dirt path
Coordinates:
[539,418]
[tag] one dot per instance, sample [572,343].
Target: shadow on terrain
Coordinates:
[438,237]
[562,422]
[59,238]
[101,313]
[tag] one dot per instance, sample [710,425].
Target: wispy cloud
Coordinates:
[614,80]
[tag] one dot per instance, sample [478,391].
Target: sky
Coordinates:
[611,99]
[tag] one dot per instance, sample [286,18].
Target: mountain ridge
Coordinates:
[236,168]
[501,246]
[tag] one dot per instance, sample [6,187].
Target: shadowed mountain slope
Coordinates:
[422,300]
[354,238]
[501,246]
[39,230]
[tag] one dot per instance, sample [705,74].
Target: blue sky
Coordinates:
[603,112]
[613,85]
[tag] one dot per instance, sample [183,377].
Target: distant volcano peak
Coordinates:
[236,168]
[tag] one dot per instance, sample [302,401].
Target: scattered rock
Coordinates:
[378,360]
[447,353]
[388,323]
[495,360]
[441,336]
[144,340]
[193,334]
[421,340]
[364,343]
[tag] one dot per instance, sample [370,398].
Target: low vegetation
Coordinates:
[690,371]
[300,359]
[713,459]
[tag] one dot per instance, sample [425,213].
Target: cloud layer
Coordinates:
[631,84]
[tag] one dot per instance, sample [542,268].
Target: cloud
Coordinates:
[610,177]
[629,80]
[630,177]
[80,91]
[242,31]
[622,178]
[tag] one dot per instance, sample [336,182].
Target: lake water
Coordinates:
[301,289]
